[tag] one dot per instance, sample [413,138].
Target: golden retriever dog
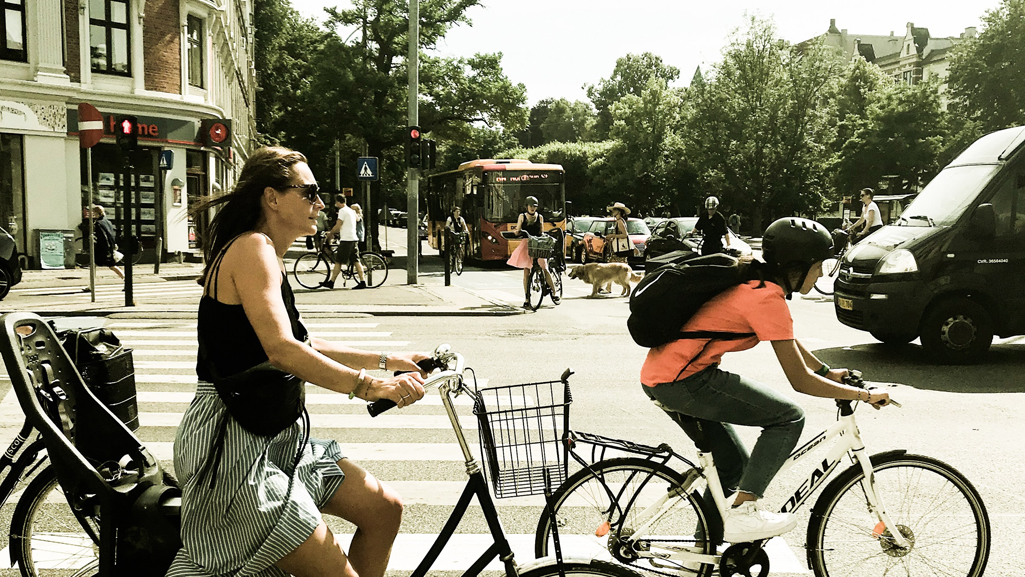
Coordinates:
[603,274]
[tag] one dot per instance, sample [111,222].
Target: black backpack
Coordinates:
[668,297]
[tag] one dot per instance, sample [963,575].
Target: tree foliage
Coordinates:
[987,73]
[630,76]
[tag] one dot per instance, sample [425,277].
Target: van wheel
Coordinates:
[5,282]
[893,338]
[957,332]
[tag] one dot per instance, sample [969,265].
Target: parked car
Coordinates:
[594,239]
[575,230]
[397,217]
[10,266]
[672,234]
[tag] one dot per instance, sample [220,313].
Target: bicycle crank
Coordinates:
[743,558]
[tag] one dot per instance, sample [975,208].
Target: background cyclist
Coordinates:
[456,224]
[532,223]
[712,225]
[870,220]
[685,380]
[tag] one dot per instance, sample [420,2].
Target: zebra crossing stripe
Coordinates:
[144,336]
[135,343]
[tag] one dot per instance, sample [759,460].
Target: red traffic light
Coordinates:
[127,126]
[414,133]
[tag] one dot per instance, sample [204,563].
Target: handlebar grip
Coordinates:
[379,406]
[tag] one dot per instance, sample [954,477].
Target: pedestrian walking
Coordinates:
[254,483]
[348,240]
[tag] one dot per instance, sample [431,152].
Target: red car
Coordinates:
[594,239]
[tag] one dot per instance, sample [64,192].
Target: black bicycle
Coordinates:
[537,285]
[831,266]
[457,252]
[314,268]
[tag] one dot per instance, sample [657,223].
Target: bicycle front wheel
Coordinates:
[593,567]
[933,506]
[536,286]
[310,270]
[599,510]
[458,259]
[557,281]
[830,268]
[375,268]
[49,539]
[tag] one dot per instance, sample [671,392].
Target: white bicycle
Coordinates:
[893,514]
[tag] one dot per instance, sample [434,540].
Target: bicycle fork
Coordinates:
[876,505]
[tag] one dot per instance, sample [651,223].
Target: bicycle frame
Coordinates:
[847,440]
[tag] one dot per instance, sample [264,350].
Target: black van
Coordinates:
[951,270]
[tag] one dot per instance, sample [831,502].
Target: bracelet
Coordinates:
[359,383]
[823,370]
[382,361]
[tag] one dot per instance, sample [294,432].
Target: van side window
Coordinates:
[1009,205]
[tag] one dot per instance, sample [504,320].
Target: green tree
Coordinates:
[760,125]
[584,188]
[986,83]
[531,135]
[568,121]
[630,76]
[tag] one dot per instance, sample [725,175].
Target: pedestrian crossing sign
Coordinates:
[366,168]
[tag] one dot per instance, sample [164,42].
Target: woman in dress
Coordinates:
[252,504]
[622,247]
[532,223]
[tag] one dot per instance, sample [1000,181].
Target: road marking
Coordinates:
[146,335]
[164,342]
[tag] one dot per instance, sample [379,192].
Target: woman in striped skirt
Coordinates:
[251,503]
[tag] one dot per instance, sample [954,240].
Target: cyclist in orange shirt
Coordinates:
[683,376]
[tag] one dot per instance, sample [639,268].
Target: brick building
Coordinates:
[179,66]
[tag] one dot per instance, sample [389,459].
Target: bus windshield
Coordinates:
[506,192]
[945,199]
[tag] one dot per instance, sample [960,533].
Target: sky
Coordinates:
[555,47]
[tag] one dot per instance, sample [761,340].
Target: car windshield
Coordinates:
[581,224]
[636,227]
[686,224]
[945,199]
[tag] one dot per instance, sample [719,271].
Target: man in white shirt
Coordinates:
[347,252]
[870,220]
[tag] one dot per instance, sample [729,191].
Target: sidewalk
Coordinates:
[65,293]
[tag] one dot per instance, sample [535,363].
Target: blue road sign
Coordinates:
[366,168]
[166,159]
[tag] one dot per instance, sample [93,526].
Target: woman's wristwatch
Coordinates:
[383,361]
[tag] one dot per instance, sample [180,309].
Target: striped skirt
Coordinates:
[261,507]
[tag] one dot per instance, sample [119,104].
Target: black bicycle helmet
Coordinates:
[531,201]
[798,243]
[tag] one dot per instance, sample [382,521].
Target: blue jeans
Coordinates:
[706,404]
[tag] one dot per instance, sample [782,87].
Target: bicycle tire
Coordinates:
[536,285]
[590,506]
[458,259]
[927,498]
[310,270]
[51,539]
[557,281]
[375,269]
[593,567]
[830,268]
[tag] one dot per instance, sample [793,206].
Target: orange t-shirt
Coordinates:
[744,308]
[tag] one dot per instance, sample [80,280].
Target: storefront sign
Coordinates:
[151,128]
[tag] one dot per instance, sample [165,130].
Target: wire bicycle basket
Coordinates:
[521,431]
[540,246]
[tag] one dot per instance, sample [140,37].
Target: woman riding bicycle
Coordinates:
[683,377]
[252,501]
[457,225]
[531,223]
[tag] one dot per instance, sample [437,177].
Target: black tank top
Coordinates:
[227,341]
[532,229]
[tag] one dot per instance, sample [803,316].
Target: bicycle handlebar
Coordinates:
[854,379]
[442,359]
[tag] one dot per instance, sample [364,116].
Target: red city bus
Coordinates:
[491,194]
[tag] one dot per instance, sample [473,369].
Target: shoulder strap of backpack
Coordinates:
[721,335]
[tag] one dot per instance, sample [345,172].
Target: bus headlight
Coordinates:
[493,240]
[899,261]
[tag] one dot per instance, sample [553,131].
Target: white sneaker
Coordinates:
[748,522]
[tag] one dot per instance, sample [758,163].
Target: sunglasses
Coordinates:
[309,191]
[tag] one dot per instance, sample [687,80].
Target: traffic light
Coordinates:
[127,130]
[430,154]
[415,143]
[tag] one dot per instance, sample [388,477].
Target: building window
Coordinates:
[12,16]
[194,30]
[12,187]
[109,39]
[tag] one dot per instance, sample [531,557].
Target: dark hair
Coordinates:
[871,193]
[242,211]
[340,198]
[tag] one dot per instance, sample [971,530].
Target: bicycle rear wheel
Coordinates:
[610,499]
[375,269]
[933,505]
[310,270]
[830,268]
[536,285]
[50,540]
[593,567]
